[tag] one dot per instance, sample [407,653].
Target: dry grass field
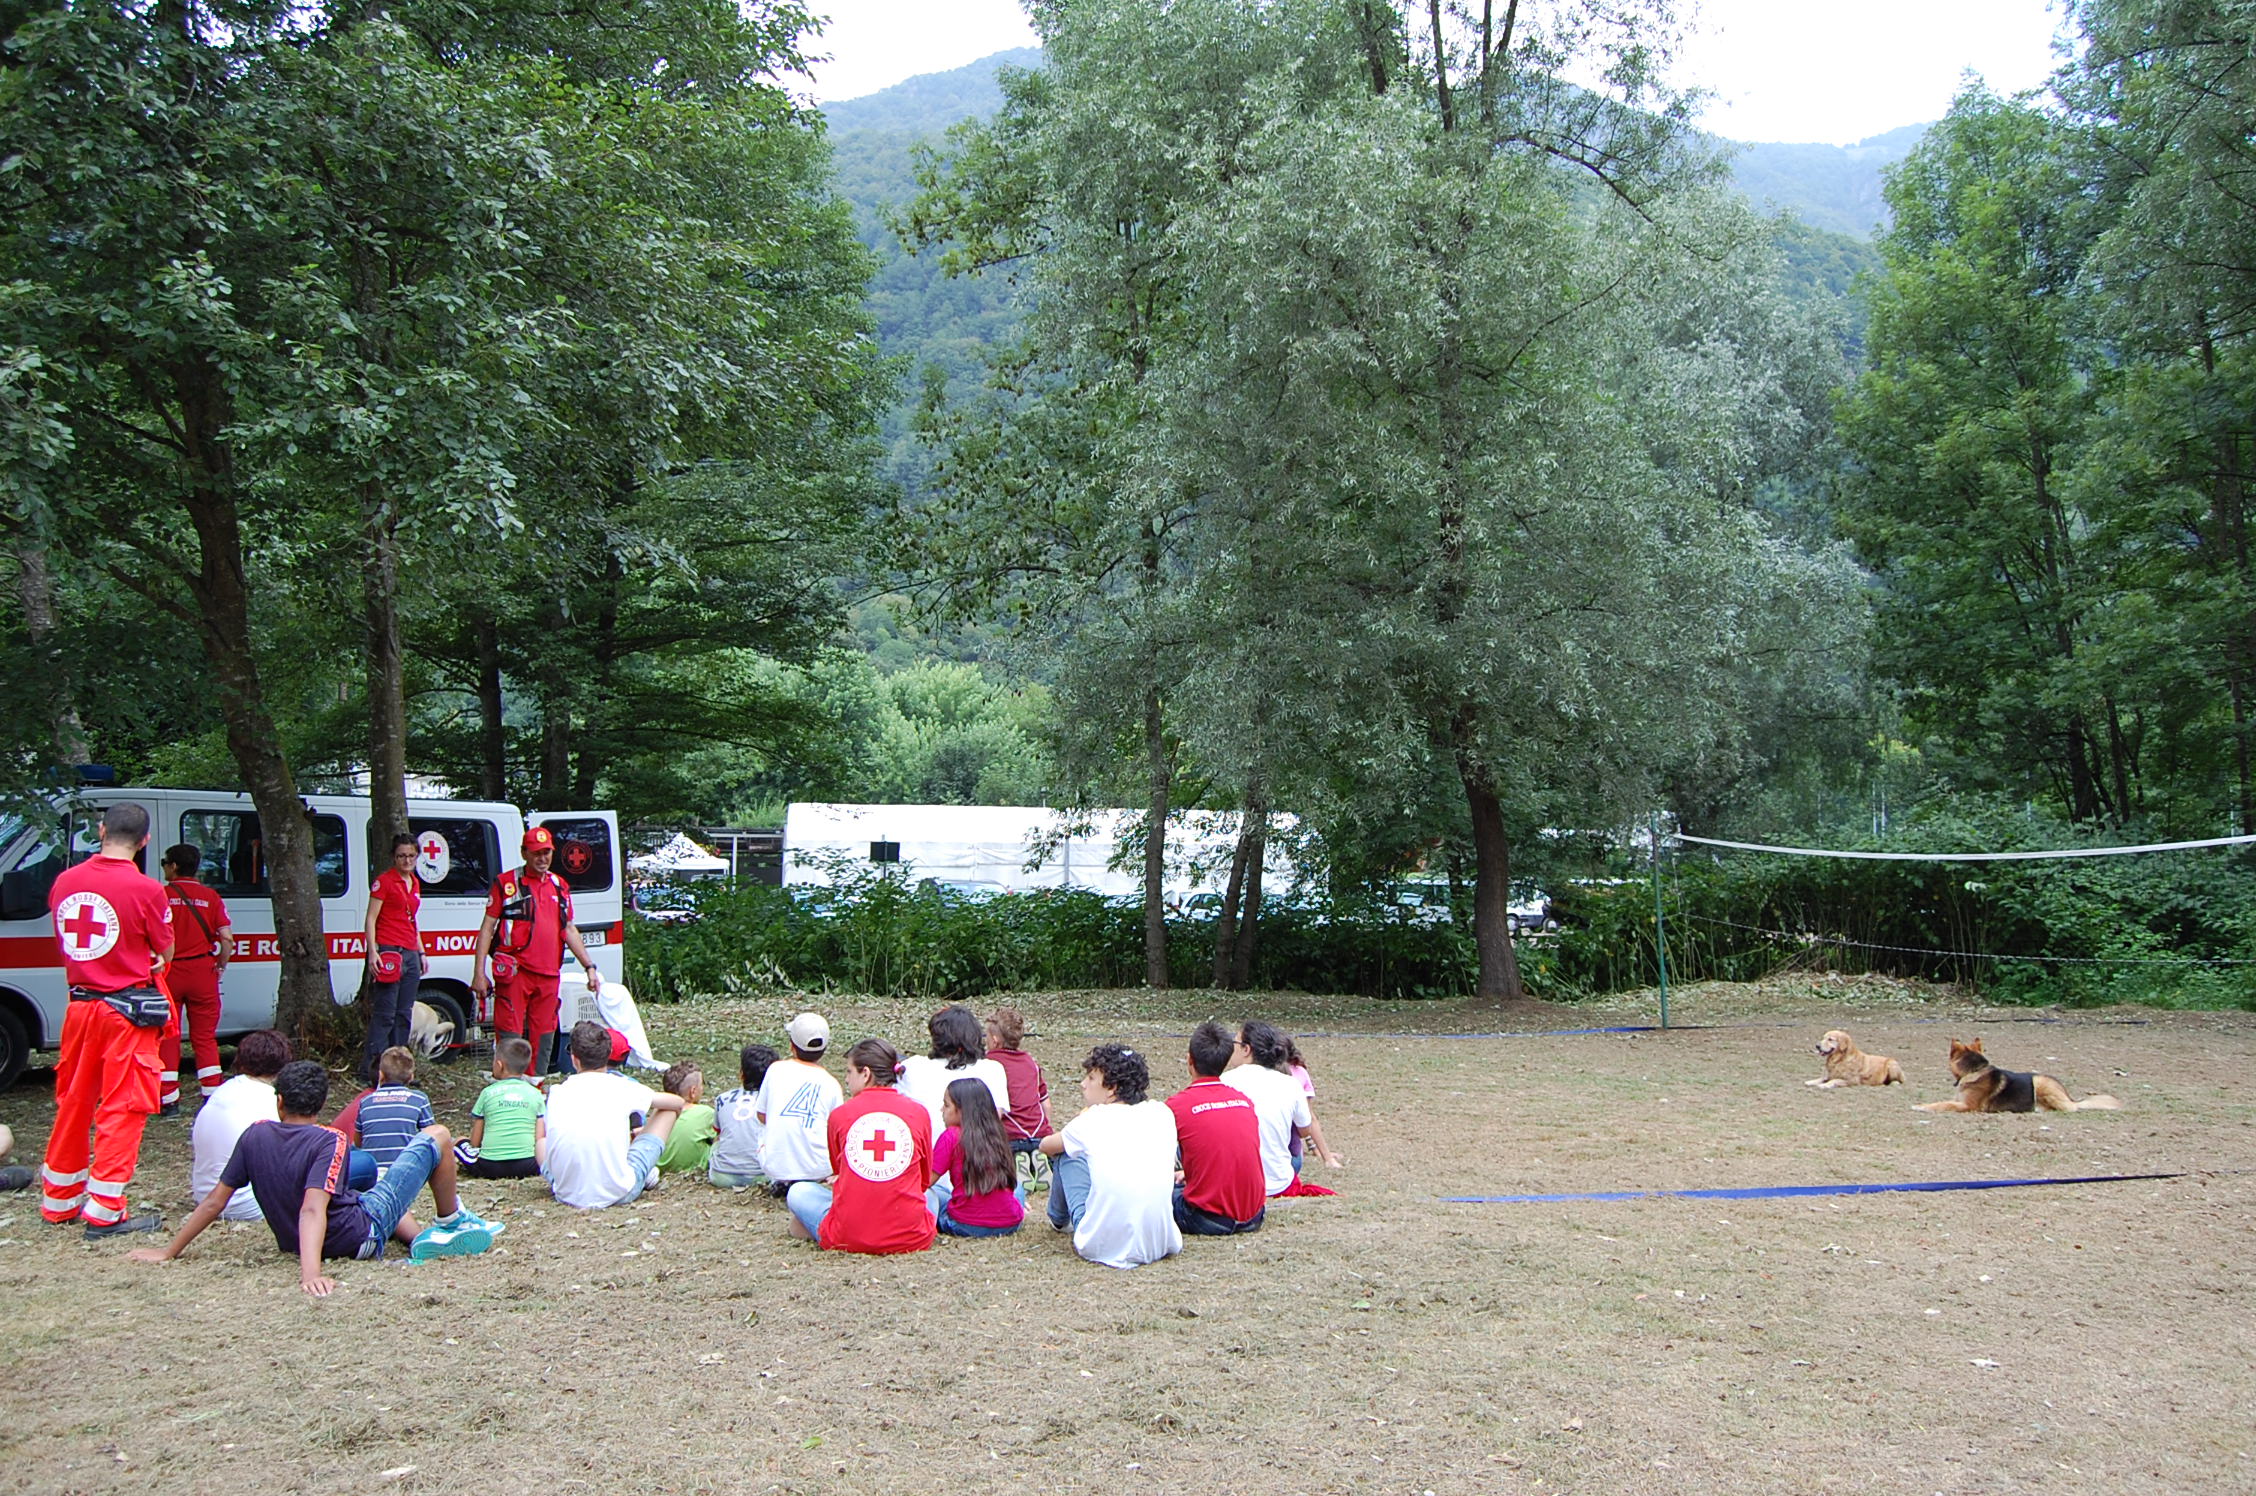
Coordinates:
[2091,1338]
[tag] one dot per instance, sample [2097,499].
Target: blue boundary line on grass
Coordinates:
[1799,1191]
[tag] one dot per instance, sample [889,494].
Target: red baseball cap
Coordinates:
[619,1045]
[537,839]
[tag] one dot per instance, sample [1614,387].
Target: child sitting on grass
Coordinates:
[391,1115]
[692,1140]
[735,1160]
[509,1120]
[1113,1168]
[1027,1121]
[975,1179]
[296,1168]
[605,1132]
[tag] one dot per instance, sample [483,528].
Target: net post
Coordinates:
[1660,928]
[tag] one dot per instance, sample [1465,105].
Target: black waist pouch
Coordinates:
[143,1007]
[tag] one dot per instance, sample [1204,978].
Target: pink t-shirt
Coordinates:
[995,1208]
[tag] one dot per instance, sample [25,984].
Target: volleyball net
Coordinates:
[2158,922]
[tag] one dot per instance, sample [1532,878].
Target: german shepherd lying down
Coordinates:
[1983,1087]
[1847,1065]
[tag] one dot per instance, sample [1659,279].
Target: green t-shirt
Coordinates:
[510,1107]
[691,1141]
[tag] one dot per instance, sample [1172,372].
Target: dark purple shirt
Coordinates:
[280,1162]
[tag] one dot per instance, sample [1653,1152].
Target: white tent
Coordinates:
[1012,847]
[677,858]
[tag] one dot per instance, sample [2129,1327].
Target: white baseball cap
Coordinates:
[809,1031]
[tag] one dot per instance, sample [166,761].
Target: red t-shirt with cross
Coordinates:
[881,1148]
[1220,1135]
[398,897]
[551,901]
[113,921]
[190,900]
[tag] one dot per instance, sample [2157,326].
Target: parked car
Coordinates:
[664,904]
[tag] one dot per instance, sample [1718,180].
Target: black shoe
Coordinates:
[169,1109]
[126,1227]
[17,1177]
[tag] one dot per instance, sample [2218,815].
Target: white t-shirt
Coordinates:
[590,1125]
[1130,1217]
[223,1119]
[797,1099]
[927,1080]
[1280,1105]
[736,1133]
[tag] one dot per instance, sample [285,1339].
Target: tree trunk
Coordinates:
[1162,768]
[1226,926]
[223,607]
[493,767]
[1253,846]
[387,688]
[1492,884]
[37,587]
[556,749]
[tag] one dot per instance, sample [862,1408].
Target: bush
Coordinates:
[876,934]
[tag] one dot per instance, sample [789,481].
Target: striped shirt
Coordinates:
[390,1117]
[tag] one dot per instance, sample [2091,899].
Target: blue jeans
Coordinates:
[387,1201]
[360,1170]
[391,1010]
[950,1226]
[1069,1190]
[809,1202]
[943,1190]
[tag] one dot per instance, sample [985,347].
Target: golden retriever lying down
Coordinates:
[1983,1087]
[1847,1065]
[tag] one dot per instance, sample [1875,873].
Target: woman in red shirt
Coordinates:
[395,955]
[881,1165]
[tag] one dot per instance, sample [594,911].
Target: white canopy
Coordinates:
[677,856]
[1011,847]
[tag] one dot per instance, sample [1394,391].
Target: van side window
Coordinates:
[234,853]
[24,889]
[471,863]
[583,852]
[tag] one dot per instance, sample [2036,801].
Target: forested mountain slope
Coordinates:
[929,320]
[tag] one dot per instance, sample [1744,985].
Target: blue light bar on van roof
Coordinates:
[96,774]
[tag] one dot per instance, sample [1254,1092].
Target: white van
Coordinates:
[464,845]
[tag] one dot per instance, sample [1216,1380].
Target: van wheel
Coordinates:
[15,1048]
[449,1007]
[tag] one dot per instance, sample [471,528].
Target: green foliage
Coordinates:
[881,935]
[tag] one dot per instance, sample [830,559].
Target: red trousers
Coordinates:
[195,990]
[527,1004]
[106,1083]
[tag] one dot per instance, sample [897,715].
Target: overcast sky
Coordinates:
[1781,69]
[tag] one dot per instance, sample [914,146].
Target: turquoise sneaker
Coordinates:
[465,1216]
[450,1241]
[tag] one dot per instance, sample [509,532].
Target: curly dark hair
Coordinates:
[1123,1070]
[302,1087]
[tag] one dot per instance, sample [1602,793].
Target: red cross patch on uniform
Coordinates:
[879,1147]
[88,926]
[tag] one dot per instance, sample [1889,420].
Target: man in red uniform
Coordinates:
[1221,1191]
[530,911]
[201,947]
[115,926]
